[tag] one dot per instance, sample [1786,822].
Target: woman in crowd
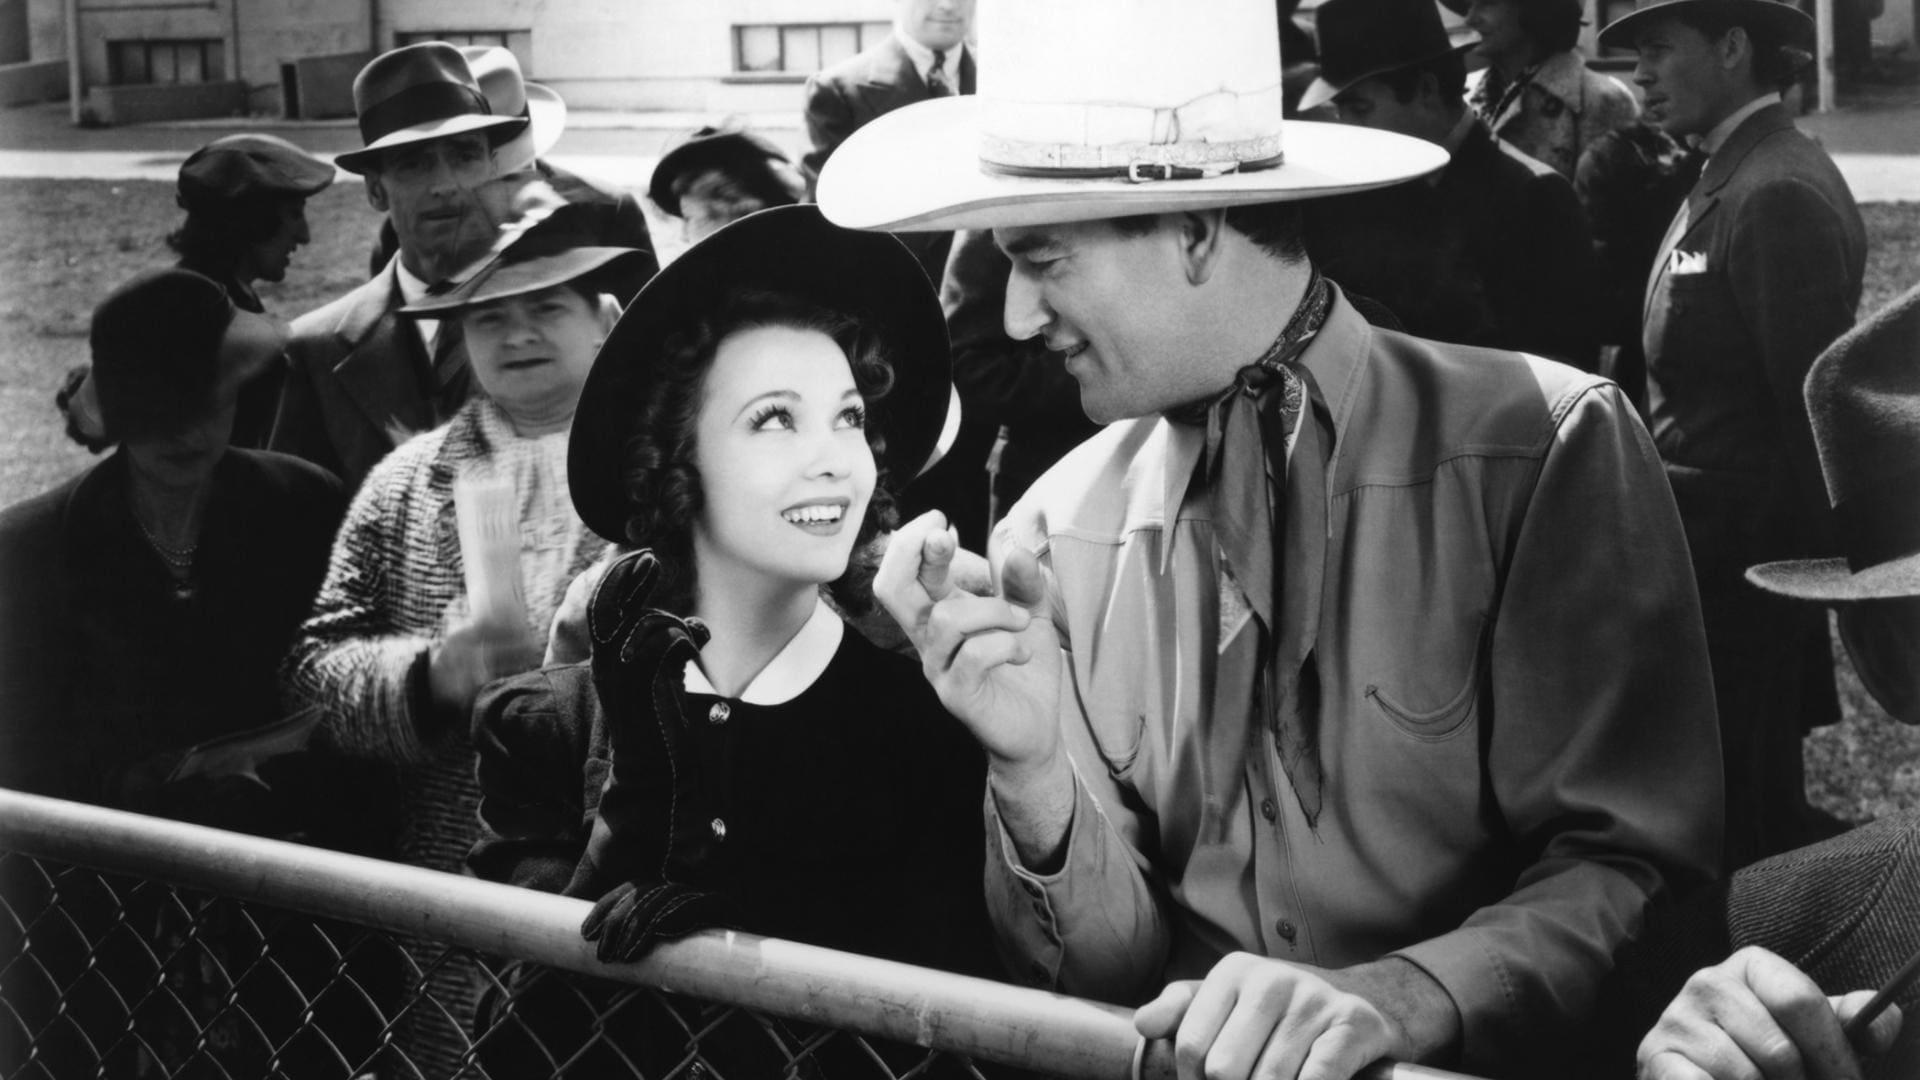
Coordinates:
[718,175]
[245,198]
[396,647]
[734,754]
[149,600]
[1536,91]
[147,604]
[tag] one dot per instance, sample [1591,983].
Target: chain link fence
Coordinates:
[134,948]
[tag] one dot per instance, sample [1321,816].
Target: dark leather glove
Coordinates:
[649,860]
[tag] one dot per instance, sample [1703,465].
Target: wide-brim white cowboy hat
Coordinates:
[1177,106]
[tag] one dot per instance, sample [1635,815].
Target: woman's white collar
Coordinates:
[792,669]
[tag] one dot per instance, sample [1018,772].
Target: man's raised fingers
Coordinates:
[960,616]
[897,583]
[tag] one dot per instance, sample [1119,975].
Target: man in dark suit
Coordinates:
[1491,250]
[361,380]
[926,56]
[1759,273]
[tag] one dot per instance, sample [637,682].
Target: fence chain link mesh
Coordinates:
[106,975]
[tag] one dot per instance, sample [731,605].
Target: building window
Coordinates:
[134,63]
[800,48]
[517,42]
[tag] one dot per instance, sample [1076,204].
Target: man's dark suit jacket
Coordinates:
[1494,252]
[841,98]
[359,382]
[1766,276]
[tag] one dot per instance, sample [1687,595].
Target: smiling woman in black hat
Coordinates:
[746,425]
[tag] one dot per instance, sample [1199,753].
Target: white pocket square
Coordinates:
[1687,262]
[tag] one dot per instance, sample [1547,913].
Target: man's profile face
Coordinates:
[1370,103]
[937,24]
[1110,304]
[430,191]
[1685,88]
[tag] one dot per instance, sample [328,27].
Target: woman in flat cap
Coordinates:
[245,198]
[735,754]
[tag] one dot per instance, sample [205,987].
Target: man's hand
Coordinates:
[474,654]
[993,659]
[1755,1015]
[1257,1017]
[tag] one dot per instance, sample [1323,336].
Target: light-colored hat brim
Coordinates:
[918,169]
[1795,25]
[548,118]
[1832,581]
[358,161]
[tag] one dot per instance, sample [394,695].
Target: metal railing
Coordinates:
[133,947]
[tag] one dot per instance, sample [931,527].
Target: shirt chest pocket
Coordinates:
[1429,683]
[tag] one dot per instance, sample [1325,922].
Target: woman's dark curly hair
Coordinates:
[661,474]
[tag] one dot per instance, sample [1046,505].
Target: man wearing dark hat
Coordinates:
[615,215]
[362,381]
[1344,698]
[1760,270]
[1494,248]
[245,198]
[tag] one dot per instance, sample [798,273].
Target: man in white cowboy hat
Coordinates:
[1759,271]
[361,381]
[618,220]
[1345,698]
[1492,250]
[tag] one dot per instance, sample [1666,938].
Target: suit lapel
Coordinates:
[1704,199]
[383,361]
[892,80]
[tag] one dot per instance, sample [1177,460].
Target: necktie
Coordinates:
[937,85]
[452,378]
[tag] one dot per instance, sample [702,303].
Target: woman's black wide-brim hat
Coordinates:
[790,250]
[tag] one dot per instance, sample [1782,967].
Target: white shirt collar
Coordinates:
[412,290]
[1724,129]
[922,58]
[792,669]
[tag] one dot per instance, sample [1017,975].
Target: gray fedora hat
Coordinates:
[1863,396]
[420,92]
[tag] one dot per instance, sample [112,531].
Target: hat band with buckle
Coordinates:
[1135,142]
[422,103]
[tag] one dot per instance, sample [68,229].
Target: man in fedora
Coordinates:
[1841,915]
[617,218]
[361,380]
[1296,733]
[1493,249]
[1759,271]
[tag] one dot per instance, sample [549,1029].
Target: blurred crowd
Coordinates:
[1373,568]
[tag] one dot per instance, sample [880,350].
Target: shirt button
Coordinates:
[1267,809]
[1285,929]
[719,713]
[719,829]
